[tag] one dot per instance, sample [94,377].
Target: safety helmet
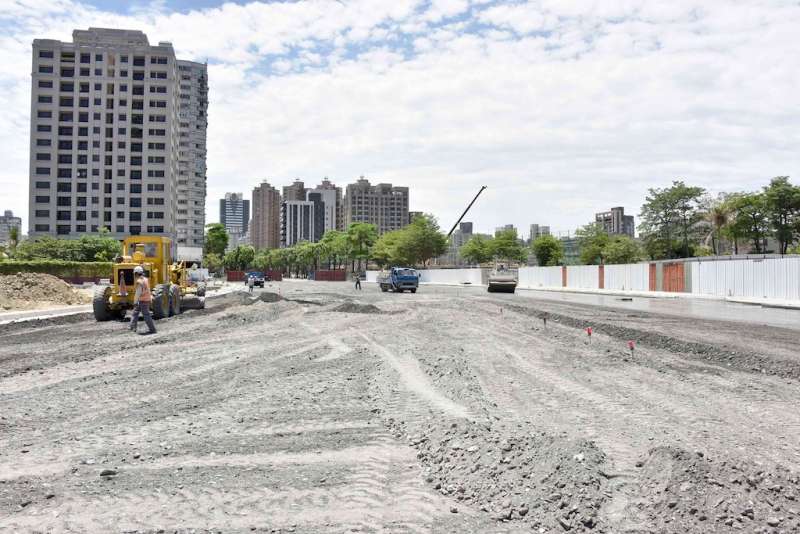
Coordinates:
[138,270]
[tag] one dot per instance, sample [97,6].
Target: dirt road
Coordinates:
[322,410]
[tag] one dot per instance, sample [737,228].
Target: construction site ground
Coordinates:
[309,407]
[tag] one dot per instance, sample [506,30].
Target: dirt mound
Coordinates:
[27,290]
[546,481]
[354,307]
[689,492]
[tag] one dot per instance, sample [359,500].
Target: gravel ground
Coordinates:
[308,407]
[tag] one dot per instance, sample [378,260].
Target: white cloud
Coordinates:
[561,108]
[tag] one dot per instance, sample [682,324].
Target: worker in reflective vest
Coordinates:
[141,301]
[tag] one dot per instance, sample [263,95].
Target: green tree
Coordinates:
[422,240]
[669,215]
[240,258]
[750,219]
[782,202]
[477,250]
[216,239]
[592,243]
[548,250]
[13,239]
[384,251]
[100,247]
[621,249]
[718,217]
[212,262]
[361,236]
[506,246]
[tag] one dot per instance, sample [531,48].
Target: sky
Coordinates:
[563,108]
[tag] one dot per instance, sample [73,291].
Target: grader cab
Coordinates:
[169,281]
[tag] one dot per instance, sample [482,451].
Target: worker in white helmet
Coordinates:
[142,300]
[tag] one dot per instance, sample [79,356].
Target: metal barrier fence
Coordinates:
[765,277]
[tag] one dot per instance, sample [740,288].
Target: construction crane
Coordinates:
[465,211]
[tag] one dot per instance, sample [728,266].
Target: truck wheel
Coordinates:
[384,288]
[490,289]
[174,300]
[414,290]
[160,302]
[102,311]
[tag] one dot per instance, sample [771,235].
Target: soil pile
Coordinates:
[29,290]
[690,492]
[354,307]
[546,481]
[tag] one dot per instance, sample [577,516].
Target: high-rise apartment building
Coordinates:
[504,228]
[7,222]
[192,126]
[334,208]
[537,231]
[297,222]
[458,239]
[296,191]
[265,228]
[615,222]
[234,214]
[105,136]
[383,205]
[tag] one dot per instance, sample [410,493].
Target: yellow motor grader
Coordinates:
[169,281]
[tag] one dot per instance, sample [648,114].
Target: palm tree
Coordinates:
[13,239]
[718,217]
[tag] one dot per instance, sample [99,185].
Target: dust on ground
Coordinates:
[28,291]
[449,411]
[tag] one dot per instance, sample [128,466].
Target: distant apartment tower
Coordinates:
[234,213]
[296,191]
[615,222]
[537,231]
[297,222]
[105,141]
[192,127]
[265,229]
[7,222]
[504,228]
[331,211]
[460,236]
[383,205]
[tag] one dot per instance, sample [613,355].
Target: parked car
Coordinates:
[258,277]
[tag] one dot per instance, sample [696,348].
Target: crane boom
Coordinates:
[465,211]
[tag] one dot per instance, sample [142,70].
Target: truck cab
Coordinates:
[398,279]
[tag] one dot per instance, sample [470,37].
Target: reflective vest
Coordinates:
[145,295]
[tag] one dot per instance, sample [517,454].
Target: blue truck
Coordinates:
[398,279]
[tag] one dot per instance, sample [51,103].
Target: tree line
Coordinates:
[412,245]
[682,221]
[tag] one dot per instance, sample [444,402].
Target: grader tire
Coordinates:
[102,311]
[174,300]
[160,302]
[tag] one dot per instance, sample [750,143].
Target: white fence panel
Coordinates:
[450,276]
[630,277]
[536,277]
[372,276]
[583,276]
[777,278]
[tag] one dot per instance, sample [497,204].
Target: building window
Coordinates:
[98,57]
[45,99]
[45,69]
[45,84]
[43,171]
[45,53]
[42,185]
[43,128]
[42,157]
